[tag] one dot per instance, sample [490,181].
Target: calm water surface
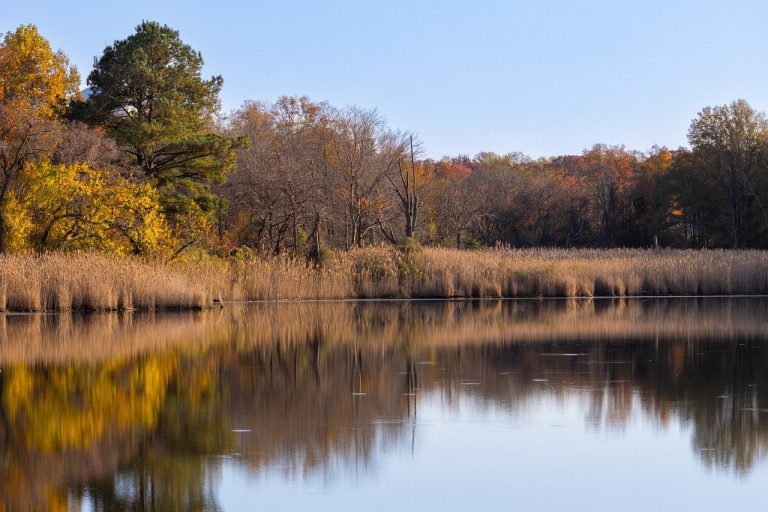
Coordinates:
[526,405]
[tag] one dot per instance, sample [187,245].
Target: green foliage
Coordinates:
[410,246]
[148,92]
[322,255]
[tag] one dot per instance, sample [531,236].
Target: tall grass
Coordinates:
[81,281]
[446,273]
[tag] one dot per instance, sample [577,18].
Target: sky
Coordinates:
[545,77]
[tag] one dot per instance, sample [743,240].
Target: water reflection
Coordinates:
[142,412]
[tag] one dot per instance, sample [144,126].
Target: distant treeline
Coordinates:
[143,162]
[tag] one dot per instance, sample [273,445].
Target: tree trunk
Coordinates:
[295,235]
[735,227]
[316,234]
[3,227]
[346,231]
[357,226]
[2,231]
[408,225]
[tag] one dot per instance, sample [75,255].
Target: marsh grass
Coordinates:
[445,273]
[84,281]
[75,281]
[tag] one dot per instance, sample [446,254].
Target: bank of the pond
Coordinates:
[75,281]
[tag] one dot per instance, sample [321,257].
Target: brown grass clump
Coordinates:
[82,281]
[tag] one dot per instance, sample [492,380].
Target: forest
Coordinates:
[144,162]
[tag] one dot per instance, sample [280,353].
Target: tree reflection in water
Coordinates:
[139,412]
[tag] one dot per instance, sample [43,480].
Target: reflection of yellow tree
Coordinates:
[75,419]
[71,408]
[171,472]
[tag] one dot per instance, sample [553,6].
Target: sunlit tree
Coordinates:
[148,92]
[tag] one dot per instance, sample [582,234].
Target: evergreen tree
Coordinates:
[148,91]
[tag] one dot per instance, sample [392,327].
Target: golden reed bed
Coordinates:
[75,281]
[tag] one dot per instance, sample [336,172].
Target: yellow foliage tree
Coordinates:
[18,224]
[35,82]
[77,207]
[33,74]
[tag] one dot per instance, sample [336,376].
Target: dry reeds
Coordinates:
[81,281]
[78,281]
[445,273]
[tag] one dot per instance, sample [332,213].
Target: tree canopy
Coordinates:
[148,92]
[147,164]
[33,75]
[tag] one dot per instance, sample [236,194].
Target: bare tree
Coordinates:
[279,192]
[363,154]
[82,144]
[408,183]
[458,198]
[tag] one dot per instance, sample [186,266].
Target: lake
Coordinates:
[476,405]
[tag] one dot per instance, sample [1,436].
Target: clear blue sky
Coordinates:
[541,77]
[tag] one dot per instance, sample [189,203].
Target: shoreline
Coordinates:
[269,302]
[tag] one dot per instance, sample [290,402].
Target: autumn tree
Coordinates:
[516,199]
[280,193]
[540,199]
[148,92]
[303,131]
[457,199]
[730,145]
[657,213]
[76,207]
[33,76]
[254,217]
[362,154]
[607,172]
[408,184]
[35,81]
[697,212]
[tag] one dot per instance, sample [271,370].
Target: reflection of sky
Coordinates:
[548,455]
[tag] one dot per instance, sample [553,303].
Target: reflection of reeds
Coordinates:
[69,337]
[91,282]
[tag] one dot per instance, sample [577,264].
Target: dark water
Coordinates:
[553,405]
